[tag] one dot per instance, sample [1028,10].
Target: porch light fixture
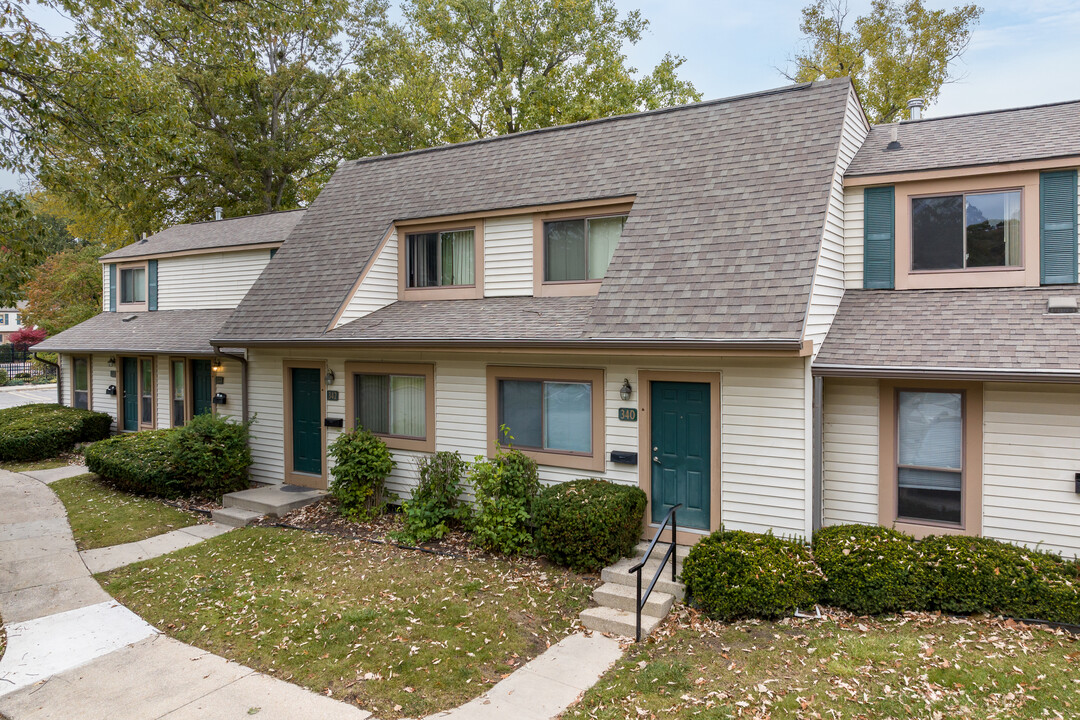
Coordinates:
[218,366]
[625,391]
[112,362]
[329,377]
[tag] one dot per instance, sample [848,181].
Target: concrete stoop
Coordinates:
[235,517]
[243,507]
[617,597]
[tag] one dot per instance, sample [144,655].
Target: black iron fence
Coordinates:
[18,367]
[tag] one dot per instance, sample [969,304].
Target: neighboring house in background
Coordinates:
[10,321]
[147,359]
[675,300]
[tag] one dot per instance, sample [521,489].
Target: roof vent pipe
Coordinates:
[894,138]
[915,108]
[217,212]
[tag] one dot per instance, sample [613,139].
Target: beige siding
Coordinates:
[102,378]
[829,281]
[265,402]
[161,392]
[213,280]
[379,287]
[1031,453]
[105,288]
[232,385]
[508,256]
[853,238]
[850,452]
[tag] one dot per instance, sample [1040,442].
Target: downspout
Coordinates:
[243,381]
[59,378]
[819,419]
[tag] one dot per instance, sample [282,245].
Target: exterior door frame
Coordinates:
[644,390]
[120,414]
[291,476]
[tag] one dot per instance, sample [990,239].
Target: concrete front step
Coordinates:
[235,517]
[274,500]
[661,548]
[620,574]
[623,597]
[617,622]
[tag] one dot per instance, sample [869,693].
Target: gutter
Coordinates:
[952,373]
[243,380]
[793,345]
[59,378]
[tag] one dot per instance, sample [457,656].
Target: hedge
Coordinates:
[208,457]
[871,570]
[36,432]
[587,524]
[734,574]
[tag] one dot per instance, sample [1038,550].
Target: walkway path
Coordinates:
[73,651]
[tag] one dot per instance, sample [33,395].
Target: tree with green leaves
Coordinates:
[898,51]
[512,65]
[29,233]
[64,290]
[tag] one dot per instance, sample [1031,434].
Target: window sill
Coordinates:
[593,462]
[132,307]
[568,288]
[448,292]
[395,442]
[924,528]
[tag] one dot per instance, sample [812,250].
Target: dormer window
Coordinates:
[132,286]
[966,230]
[580,249]
[445,258]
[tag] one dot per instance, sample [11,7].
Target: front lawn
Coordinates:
[101,516]
[908,666]
[398,632]
[20,466]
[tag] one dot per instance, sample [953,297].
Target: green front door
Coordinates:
[680,452]
[129,373]
[306,421]
[202,387]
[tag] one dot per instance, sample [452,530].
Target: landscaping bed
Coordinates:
[915,665]
[400,633]
[102,516]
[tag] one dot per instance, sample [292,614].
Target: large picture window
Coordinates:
[974,230]
[441,259]
[580,249]
[930,456]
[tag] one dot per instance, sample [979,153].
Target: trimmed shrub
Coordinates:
[36,432]
[505,487]
[3,377]
[871,570]
[588,524]
[436,503]
[361,465]
[734,574]
[208,457]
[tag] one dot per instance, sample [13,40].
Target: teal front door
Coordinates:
[129,373]
[306,421]
[201,387]
[681,440]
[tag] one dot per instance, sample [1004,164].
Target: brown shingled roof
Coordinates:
[165,331]
[1001,136]
[230,233]
[721,243]
[994,330]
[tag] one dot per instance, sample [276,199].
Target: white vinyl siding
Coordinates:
[101,378]
[210,280]
[266,403]
[232,386]
[829,280]
[379,287]
[66,380]
[1031,453]
[105,287]
[508,256]
[850,452]
[853,238]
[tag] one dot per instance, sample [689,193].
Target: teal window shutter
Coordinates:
[112,287]
[151,284]
[1057,227]
[879,237]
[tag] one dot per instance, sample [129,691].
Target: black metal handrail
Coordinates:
[670,517]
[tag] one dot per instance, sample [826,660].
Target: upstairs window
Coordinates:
[973,230]
[441,259]
[132,285]
[3,319]
[580,249]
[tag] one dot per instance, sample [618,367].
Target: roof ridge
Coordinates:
[597,121]
[977,113]
[225,219]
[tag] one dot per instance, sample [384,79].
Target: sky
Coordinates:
[1023,52]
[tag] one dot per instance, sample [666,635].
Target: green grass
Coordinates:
[26,466]
[398,632]
[911,666]
[101,516]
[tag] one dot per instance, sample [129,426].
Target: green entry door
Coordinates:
[129,372]
[306,421]
[202,387]
[680,452]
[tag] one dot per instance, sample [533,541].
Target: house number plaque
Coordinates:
[628,414]
[332,395]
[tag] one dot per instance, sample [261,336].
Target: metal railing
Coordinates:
[670,517]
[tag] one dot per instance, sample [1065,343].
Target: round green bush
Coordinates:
[505,487]
[871,570]
[588,524]
[734,574]
[138,462]
[37,432]
[361,465]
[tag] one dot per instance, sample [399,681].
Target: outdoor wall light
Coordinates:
[112,362]
[218,366]
[625,391]
[329,377]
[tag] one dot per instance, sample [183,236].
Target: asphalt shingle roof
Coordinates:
[232,232]
[721,243]
[998,329]
[1033,133]
[166,331]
